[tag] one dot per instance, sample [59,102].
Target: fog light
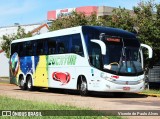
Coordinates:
[107,86]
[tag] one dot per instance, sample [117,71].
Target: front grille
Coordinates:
[125,82]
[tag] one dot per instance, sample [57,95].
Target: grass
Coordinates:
[151,92]
[7,103]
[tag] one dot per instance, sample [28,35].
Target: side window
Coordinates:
[21,50]
[28,48]
[95,55]
[77,45]
[61,48]
[63,44]
[14,48]
[34,43]
[41,47]
[51,46]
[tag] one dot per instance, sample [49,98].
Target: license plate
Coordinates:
[126,88]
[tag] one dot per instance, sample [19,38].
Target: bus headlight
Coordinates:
[140,81]
[103,75]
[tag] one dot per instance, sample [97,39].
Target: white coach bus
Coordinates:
[83,58]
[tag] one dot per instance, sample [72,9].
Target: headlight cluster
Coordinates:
[103,75]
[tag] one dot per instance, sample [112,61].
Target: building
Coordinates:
[34,29]
[87,10]
[4,64]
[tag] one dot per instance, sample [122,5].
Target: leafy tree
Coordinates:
[144,20]
[121,18]
[7,39]
[75,19]
[147,19]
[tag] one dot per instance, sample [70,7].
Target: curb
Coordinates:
[151,95]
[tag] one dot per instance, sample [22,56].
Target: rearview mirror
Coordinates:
[150,51]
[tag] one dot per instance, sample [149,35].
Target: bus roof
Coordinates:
[60,32]
[110,31]
[79,29]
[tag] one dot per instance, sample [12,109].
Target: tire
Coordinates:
[146,83]
[29,83]
[83,89]
[22,84]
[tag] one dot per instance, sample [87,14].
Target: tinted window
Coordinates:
[95,56]
[28,48]
[48,46]
[42,47]
[51,46]
[63,44]
[14,48]
[21,50]
[77,45]
[61,48]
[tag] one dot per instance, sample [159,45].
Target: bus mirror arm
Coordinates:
[150,51]
[101,44]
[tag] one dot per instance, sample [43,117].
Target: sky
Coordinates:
[35,11]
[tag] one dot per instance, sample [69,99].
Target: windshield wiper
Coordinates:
[134,68]
[120,61]
[123,54]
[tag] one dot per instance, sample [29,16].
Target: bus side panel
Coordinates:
[41,71]
[61,71]
[33,65]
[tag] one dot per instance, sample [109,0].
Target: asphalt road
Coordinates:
[94,101]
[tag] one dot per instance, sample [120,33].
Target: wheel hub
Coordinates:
[83,86]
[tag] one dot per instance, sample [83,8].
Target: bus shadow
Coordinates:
[91,94]
[94,94]
[112,95]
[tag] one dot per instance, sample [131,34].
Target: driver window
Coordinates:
[95,58]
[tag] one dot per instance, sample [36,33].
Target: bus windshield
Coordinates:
[122,56]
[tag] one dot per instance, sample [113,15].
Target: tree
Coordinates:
[144,19]
[121,18]
[7,39]
[75,19]
[147,19]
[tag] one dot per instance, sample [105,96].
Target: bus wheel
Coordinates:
[29,83]
[22,84]
[83,87]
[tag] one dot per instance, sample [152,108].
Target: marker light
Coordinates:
[115,77]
